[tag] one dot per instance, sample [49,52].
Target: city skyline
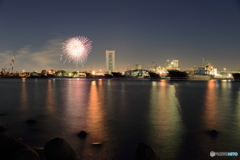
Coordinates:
[140,32]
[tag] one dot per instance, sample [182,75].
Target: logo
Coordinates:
[212,154]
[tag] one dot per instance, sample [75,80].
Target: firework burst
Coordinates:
[76,49]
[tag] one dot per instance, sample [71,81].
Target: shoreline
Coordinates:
[57,148]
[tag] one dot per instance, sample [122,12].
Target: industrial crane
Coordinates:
[10,68]
[12,63]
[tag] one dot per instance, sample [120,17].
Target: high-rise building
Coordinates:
[138,66]
[110,60]
[174,64]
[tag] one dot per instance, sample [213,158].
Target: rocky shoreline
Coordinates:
[12,148]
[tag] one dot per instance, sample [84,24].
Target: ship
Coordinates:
[154,75]
[183,75]
[108,75]
[98,75]
[178,75]
[236,76]
[91,75]
[35,75]
[118,75]
[202,73]
[137,73]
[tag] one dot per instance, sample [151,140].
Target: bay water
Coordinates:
[173,117]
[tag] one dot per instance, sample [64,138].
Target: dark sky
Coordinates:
[140,31]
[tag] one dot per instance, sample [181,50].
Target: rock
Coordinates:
[37,148]
[213,133]
[3,128]
[97,144]
[82,134]
[144,152]
[9,145]
[31,121]
[20,139]
[59,149]
[25,154]
[40,151]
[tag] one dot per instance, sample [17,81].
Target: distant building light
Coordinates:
[99,74]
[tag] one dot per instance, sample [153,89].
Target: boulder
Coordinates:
[97,144]
[39,150]
[25,154]
[31,121]
[59,149]
[82,134]
[9,145]
[3,128]
[213,133]
[144,152]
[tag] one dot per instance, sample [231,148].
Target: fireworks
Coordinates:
[76,49]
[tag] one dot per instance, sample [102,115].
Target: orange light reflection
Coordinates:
[95,118]
[50,103]
[210,110]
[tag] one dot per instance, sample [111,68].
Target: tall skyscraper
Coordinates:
[110,60]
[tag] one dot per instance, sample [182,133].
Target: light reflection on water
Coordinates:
[172,117]
[23,95]
[50,97]
[237,112]
[165,119]
[210,107]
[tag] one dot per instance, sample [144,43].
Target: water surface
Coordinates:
[172,117]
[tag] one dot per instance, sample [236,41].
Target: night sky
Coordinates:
[140,31]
